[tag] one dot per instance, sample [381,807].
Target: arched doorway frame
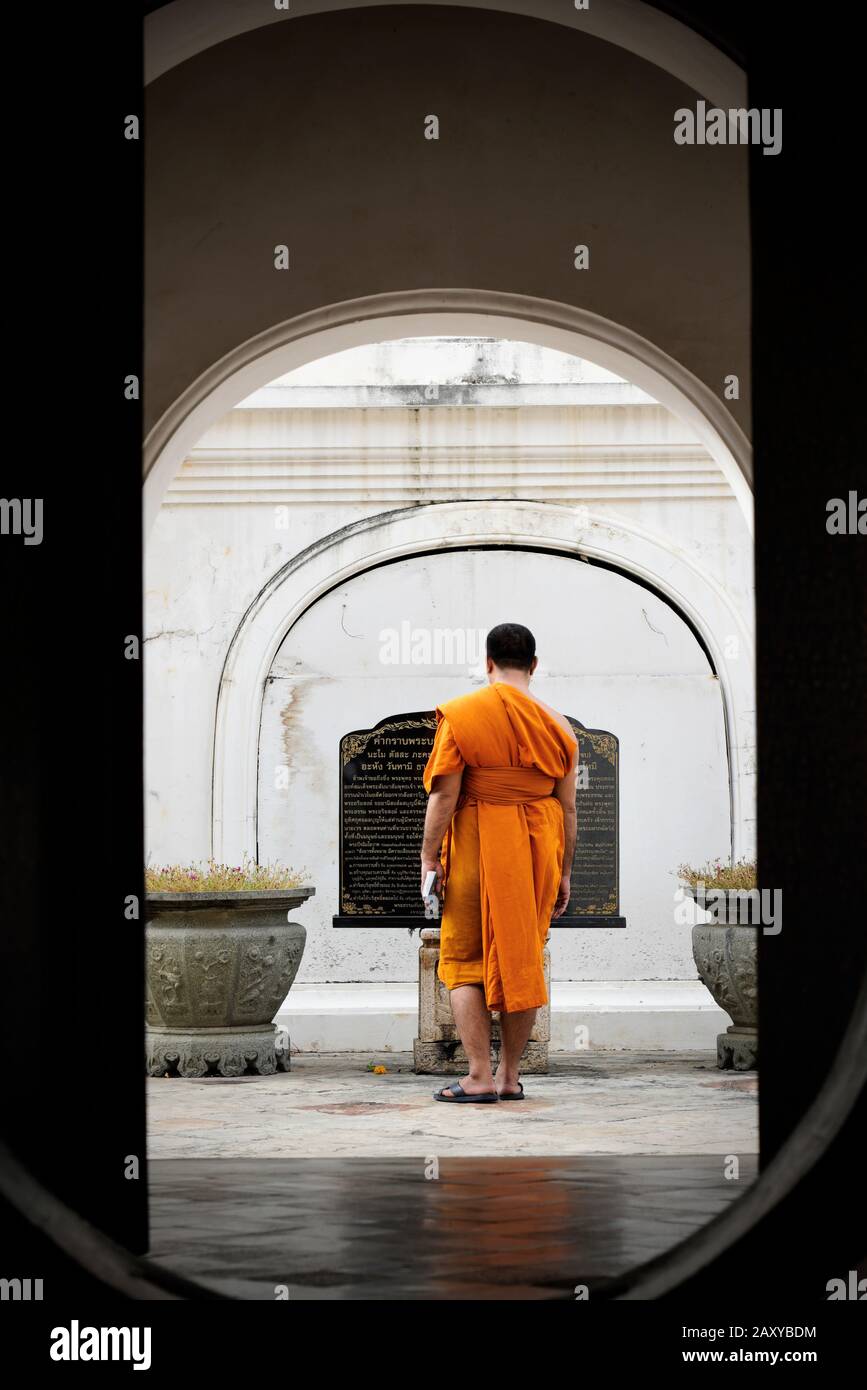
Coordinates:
[376,540]
[177,32]
[450,312]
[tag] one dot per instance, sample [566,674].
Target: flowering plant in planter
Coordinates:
[729,892]
[210,877]
[715,874]
[221,956]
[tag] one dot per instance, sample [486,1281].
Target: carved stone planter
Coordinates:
[218,967]
[726,954]
[438,1050]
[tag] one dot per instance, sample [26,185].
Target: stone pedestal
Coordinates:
[216,1051]
[737,1049]
[438,1050]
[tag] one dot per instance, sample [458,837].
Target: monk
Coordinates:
[499,835]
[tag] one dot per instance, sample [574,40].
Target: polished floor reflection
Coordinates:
[429,1228]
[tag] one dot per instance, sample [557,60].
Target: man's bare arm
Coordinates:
[441,805]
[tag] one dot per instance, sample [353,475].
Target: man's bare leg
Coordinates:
[473,1022]
[515,1030]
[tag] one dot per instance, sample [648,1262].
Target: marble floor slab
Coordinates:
[332,1106]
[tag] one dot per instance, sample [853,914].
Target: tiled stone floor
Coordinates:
[331,1183]
[330,1106]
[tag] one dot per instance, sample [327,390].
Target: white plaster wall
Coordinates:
[204,567]
[611,654]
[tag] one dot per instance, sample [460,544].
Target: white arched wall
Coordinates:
[451,312]
[179,31]
[391,535]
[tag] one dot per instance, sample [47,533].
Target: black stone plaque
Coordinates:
[382,810]
[595,896]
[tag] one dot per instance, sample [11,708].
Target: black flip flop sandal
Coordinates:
[462,1097]
[515,1095]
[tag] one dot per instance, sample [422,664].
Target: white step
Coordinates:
[668,1015]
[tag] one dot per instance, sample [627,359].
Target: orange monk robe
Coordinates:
[503,851]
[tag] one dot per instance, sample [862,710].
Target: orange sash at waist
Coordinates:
[499,786]
[504,786]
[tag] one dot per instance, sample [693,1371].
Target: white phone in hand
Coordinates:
[431,901]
